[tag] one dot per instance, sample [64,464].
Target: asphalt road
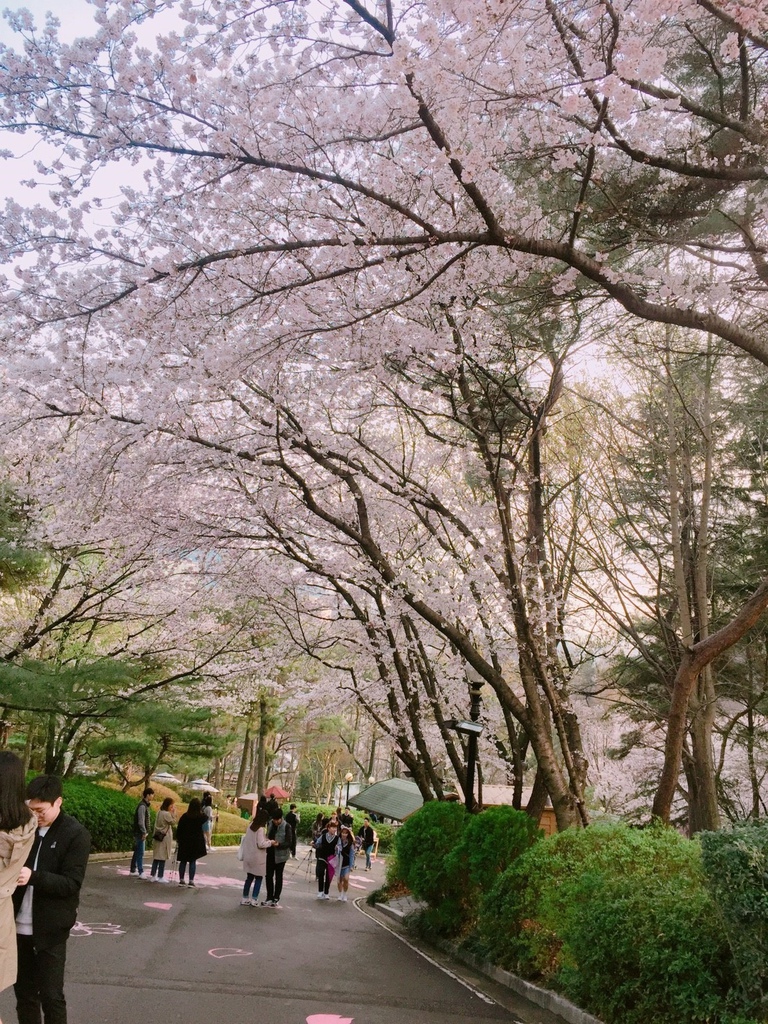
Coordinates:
[164,953]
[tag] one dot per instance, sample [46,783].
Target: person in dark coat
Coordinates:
[191,840]
[293,818]
[46,904]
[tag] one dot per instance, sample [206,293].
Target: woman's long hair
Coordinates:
[195,809]
[167,804]
[260,819]
[13,810]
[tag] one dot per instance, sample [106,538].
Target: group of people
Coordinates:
[43,857]
[269,842]
[193,837]
[335,850]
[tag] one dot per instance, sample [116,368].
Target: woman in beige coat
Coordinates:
[253,854]
[17,834]
[162,840]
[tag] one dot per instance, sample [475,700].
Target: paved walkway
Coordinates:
[172,954]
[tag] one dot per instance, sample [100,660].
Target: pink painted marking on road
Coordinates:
[329,1018]
[159,906]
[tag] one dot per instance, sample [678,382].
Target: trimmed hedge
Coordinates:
[448,858]
[619,920]
[106,813]
[736,868]
[226,838]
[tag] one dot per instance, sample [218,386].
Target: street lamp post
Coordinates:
[475,682]
[472,729]
[348,778]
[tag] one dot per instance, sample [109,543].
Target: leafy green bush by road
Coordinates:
[106,813]
[735,863]
[619,920]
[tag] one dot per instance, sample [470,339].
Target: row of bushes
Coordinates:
[632,925]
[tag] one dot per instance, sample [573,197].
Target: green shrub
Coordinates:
[106,813]
[423,844]
[637,949]
[617,918]
[735,864]
[489,843]
[226,838]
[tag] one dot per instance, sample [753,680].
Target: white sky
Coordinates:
[76,17]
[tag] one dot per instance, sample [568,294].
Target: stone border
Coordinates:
[541,997]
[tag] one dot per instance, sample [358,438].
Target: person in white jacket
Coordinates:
[253,854]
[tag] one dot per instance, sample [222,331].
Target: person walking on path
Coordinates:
[162,840]
[293,818]
[346,861]
[368,837]
[190,840]
[141,825]
[46,904]
[253,853]
[17,834]
[326,849]
[281,835]
[208,815]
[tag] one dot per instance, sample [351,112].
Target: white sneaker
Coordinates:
[320,896]
[245,901]
[343,898]
[339,899]
[163,881]
[253,903]
[326,896]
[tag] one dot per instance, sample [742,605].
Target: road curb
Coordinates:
[541,997]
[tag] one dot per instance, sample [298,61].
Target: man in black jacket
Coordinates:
[46,904]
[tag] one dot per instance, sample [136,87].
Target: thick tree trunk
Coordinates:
[261,753]
[693,661]
[703,809]
[242,771]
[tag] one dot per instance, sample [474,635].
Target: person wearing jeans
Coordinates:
[141,825]
[253,854]
[368,837]
[191,842]
[281,836]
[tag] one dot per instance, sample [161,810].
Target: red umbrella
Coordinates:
[277,793]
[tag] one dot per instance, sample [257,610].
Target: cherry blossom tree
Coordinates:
[338,185]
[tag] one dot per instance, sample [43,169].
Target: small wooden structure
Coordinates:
[502,796]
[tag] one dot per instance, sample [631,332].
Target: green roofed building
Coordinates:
[391,798]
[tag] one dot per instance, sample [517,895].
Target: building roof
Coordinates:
[390,798]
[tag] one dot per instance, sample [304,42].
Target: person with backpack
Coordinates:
[142,821]
[327,855]
[281,834]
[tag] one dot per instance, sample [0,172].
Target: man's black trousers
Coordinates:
[39,986]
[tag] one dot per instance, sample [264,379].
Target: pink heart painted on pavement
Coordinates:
[329,1018]
[159,906]
[221,951]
